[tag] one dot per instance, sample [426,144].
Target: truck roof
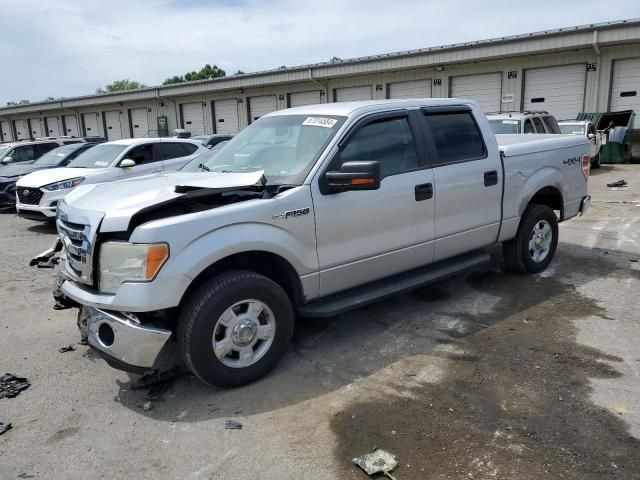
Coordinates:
[346,109]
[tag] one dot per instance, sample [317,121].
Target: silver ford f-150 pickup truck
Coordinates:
[309,211]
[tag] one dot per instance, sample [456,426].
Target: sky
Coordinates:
[65,48]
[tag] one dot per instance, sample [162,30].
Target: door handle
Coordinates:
[424,192]
[490,178]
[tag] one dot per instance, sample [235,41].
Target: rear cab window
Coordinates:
[551,124]
[538,124]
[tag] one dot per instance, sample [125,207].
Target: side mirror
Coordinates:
[127,163]
[354,176]
[7,160]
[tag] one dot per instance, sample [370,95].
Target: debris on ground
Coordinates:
[147,406]
[68,348]
[5,427]
[619,183]
[11,386]
[379,461]
[156,383]
[232,425]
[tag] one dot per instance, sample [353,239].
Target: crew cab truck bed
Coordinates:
[309,211]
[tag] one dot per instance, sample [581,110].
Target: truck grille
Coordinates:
[29,196]
[78,240]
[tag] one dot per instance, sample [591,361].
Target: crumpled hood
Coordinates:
[51,175]
[120,200]
[14,171]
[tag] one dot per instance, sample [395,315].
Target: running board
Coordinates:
[357,297]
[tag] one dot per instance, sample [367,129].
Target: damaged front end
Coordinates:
[50,258]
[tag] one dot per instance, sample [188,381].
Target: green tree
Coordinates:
[206,73]
[121,85]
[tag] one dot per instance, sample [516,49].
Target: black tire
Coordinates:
[595,161]
[516,253]
[205,306]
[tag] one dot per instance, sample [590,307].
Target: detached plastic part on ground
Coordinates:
[379,461]
[11,386]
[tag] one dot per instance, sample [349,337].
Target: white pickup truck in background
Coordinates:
[309,211]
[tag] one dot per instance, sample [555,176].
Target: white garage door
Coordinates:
[259,106]
[226,116]
[625,87]
[22,129]
[36,128]
[114,126]
[139,122]
[71,125]
[558,90]
[53,130]
[193,118]
[7,134]
[91,125]
[411,89]
[301,99]
[485,88]
[349,94]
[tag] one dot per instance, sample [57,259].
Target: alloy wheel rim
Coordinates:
[244,333]
[540,241]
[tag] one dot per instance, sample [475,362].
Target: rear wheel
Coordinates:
[235,328]
[595,161]
[535,242]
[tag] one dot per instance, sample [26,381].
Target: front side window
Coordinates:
[456,137]
[538,123]
[141,154]
[388,142]
[528,126]
[25,153]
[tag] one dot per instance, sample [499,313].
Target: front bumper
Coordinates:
[46,207]
[585,204]
[129,344]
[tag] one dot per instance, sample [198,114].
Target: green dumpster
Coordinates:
[616,128]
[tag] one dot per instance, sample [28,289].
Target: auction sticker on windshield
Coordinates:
[320,122]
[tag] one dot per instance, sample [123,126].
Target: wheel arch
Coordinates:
[550,196]
[269,264]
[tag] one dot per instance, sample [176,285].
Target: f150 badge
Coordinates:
[292,213]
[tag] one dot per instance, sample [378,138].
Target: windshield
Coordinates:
[505,126]
[199,162]
[574,129]
[57,155]
[100,156]
[284,146]
[3,149]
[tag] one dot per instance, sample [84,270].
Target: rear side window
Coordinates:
[528,126]
[42,148]
[169,150]
[456,137]
[551,124]
[538,123]
[388,142]
[187,149]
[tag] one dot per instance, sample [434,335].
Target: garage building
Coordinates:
[592,68]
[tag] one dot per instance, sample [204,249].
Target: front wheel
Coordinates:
[535,242]
[235,328]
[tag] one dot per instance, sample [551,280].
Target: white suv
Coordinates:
[38,193]
[523,122]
